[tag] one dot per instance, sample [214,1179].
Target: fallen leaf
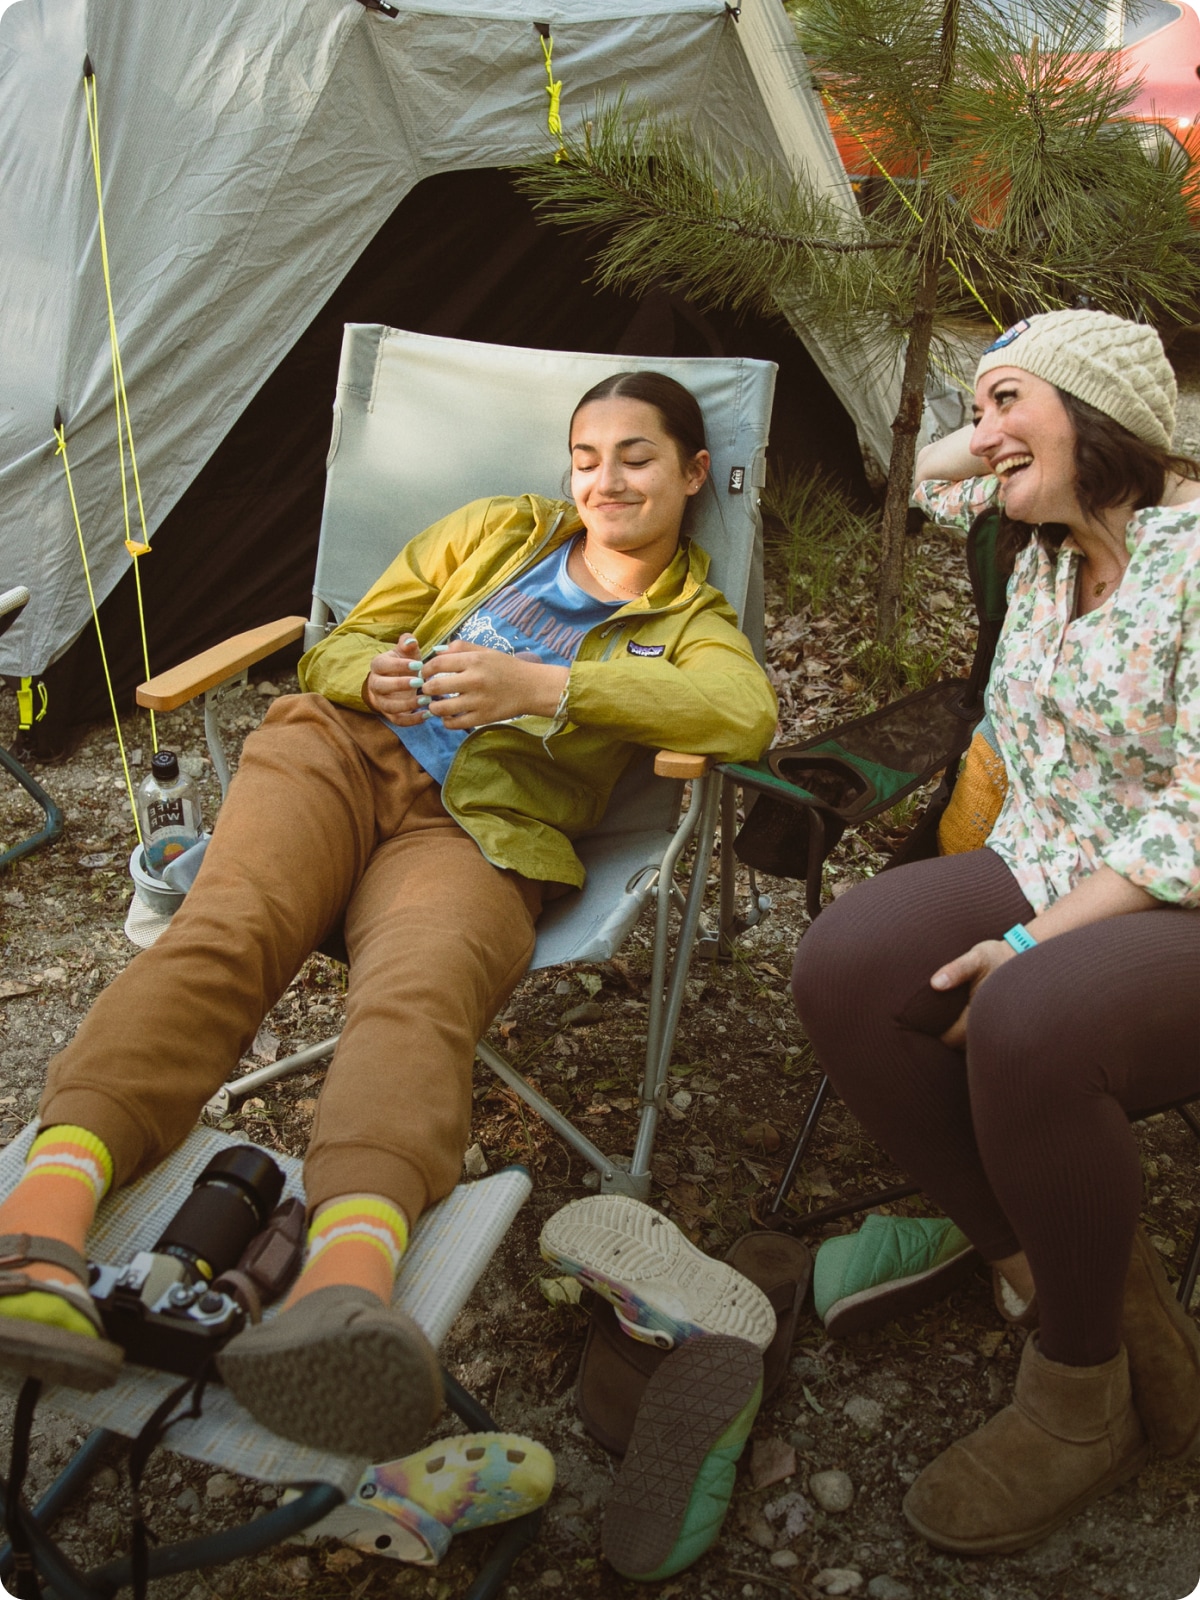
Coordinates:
[989,1343]
[561,1291]
[762,1136]
[771,1461]
[9,991]
[342,1560]
[812,1400]
[266,1045]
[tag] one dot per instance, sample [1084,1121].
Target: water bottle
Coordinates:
[169,811]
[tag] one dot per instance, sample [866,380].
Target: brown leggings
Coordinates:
[329,823]
[1026,1141]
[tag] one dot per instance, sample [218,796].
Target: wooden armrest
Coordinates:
[675,764]
[192,677]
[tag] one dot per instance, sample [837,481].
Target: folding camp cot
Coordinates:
[451,1245]
[422,425]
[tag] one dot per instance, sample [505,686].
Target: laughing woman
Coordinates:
[995,1018]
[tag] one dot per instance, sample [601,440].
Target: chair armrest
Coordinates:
[677,764]
[210,667]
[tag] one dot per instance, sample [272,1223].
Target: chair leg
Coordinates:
[775,1218]
[522,1531]
[54,819]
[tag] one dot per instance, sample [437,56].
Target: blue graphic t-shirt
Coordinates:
[543,615]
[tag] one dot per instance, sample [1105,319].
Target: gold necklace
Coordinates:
[611,583]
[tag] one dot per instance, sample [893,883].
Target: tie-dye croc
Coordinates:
[412,1508]
[663,1290]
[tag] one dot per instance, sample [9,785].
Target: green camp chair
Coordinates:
[12,603]
[807,795]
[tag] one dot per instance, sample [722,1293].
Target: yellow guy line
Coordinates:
[553,89]
[963,277]
[60,434]
[136,548]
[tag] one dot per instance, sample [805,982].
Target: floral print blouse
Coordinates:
[1097,716]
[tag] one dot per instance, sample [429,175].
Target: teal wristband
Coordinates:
[1019,938]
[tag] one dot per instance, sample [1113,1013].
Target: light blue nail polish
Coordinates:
[438,649]
[424,699]
[416,683]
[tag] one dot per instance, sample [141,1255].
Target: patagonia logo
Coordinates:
[636,649]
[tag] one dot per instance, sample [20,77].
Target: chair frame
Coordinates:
[248,1539]
[12,603]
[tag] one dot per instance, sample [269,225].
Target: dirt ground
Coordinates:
[875,1408]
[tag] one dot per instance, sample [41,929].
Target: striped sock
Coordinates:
[66,1175]
[359,1240]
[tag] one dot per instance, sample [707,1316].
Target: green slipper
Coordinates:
[671,1495]
[891,1266]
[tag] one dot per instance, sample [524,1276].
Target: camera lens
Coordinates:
[230,1203]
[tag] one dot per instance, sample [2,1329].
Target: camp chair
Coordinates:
[451,1245]
[806,795]
[12,603]
[423,425]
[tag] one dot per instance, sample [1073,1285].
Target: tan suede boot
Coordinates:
[1163,1342]
[1070,1435]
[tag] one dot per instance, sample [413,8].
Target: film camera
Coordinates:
[173,1305]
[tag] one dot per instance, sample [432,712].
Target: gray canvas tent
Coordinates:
[271,172]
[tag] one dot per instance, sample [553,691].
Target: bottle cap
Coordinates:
[164,764]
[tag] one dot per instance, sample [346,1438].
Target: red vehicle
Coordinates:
[1161,44]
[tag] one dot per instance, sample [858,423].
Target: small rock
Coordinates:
[98,858]
[771,1461]
[475,1162]
[107,1478]
[838,1580]
[832,1491]
[887,1588]
[189,1501]
[220,1487]
[752,1525]
[551,1578]
[591,1180]
[268,690]
[865,1414]
[793,1510]
[580,1016]
[681,1099]
[785,1558]
[762,1136]
[563,986]
[136,757]
[193,766]
[297,1571]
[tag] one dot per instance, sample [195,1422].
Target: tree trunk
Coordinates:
[905,427]
[912,389]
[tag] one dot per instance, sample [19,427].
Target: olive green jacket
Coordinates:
[524,789]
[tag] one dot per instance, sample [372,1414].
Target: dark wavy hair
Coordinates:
[1113,467]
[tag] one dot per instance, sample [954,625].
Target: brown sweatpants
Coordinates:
[329,821]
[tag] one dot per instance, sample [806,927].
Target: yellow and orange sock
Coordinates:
[358,1240]
[67,1173]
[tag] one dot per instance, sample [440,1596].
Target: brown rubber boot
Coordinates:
[1163,1342]
[1070,1435]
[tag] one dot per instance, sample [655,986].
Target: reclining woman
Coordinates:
[466,721]
[993,1018]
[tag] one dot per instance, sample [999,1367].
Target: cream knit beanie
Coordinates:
[1117,366]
